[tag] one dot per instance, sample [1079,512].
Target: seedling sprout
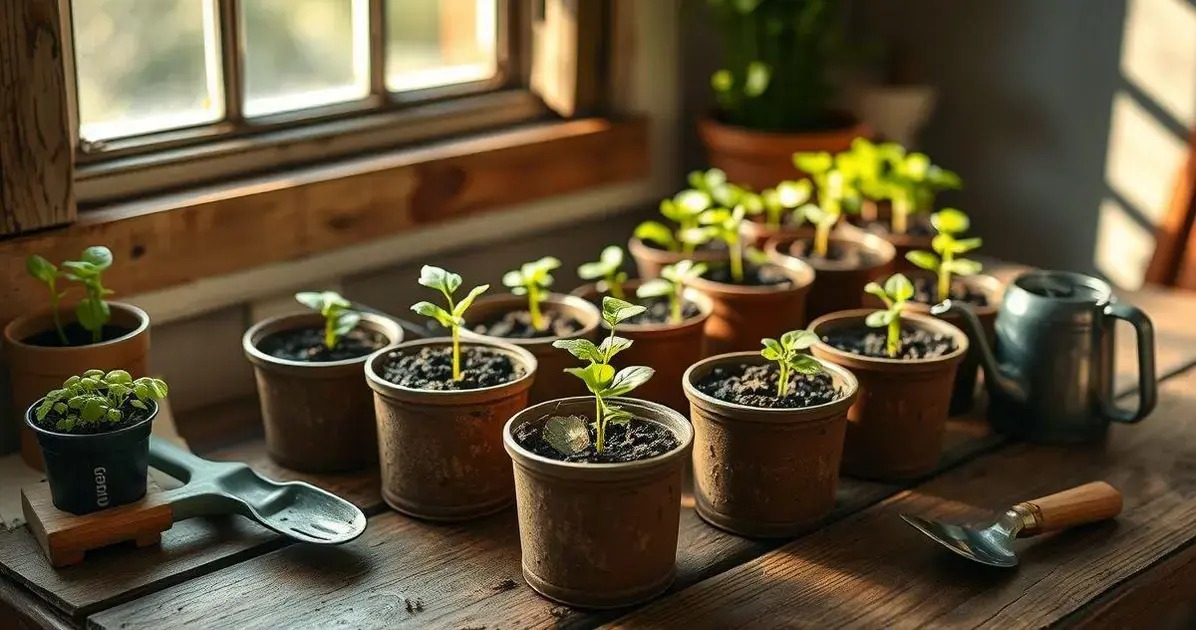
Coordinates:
[453,317]
[98,398]
[671,284]
[949,223]
[339,318]
[606,270]
[895,293]
[788,355]
[533,279]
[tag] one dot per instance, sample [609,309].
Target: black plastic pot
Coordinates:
[89,473]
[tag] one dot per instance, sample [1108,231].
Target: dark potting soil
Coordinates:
[636,440]
[882,227]
[131,416]
[709,246]
[307,344]
[849,257]
[658,311]
[753,276]
[756,386]
[431,368]
[926,291]
[518,325]
[76,336]
[870,342]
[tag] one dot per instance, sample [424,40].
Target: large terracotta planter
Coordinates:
[36,370]
[318,415]
[599,535]
[765,472]
[551,380]
[650,260]
[895,428]
[667,348]
[838,286]
[742,315]
[762,159]
[441,452]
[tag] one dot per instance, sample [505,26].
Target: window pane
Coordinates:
[304,53]
[440,42]
[145,66]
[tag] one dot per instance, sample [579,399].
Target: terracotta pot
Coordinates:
[441,452]
[757,233]
[650,260]
[318,415]
[36,370]
[667,348]
[599,535]
[761,159]
[903,243]
[838,286]
[551,380]
[765,472]
[895,427]
[742,315]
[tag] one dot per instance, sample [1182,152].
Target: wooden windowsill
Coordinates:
[174,239]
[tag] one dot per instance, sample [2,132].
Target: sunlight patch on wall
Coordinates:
[1142,159]
[1159,54]
[1123,246]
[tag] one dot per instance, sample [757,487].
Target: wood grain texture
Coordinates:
[567,57]
[1089,503]
[66,538]
[36,154]
[21,610]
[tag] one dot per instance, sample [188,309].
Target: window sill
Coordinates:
[170,240]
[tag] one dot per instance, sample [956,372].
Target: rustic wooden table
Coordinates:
[862,567]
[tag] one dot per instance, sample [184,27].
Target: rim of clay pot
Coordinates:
[781,248]
[759,231]
[616,471]
[784,415]
[394,391]
[639,249]
[705,308]
[311,369]
[992,288]
[855,318]
[800,273]
[709,125]
[29,415]
[589,315]
[25,326]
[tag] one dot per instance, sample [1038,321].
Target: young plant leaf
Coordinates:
[950,221]
[616,311]
[567,434]
[628,379]
[611,346]
[899,288]
[878,319]
[583,349]
[464,304]
[596,376]
[656,287]
[428,309]
[41,269]
[923,259]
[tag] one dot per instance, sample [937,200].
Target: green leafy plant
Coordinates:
[895,293]
[949,223]
[601,379]
[92,312]
[867,165]
[97,398]
[912,183]
[533,279]
[834,188]
[339,318]
[787,196]
[724,225]
[789,356]
[48,274]
[453,317]
[606,270]
[683,210]
[670,284]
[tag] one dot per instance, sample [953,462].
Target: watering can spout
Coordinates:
[996,379]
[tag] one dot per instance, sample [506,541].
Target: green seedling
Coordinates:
[913,183]
[724,225]
[670,284]
[868,164]
[834,190]
[533,279]
[606,271]
[684,210]
[92,311]
[789,356]
[949,223]
[895,293]
[569,434]
[787,196]
[339,318]
[48,274]
[453,317]
[97,398]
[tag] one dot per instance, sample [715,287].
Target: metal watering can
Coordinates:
[1050,376]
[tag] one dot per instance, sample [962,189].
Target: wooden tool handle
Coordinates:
[1088,503]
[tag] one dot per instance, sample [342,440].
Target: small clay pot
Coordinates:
[761,159]
[650,260]
[551,379]
[599,535]
[36,370]
[757,233]
[765,472]
[839,286]
[895,427]
[667,348]
[318,415]
[441,452]
[742,315]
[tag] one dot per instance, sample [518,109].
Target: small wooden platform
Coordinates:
[66,538]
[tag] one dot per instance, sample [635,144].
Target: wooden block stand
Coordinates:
[65,537]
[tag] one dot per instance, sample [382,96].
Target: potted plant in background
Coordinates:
[749,295]
[845,261]
[441,404]
[777,212]
[46,348]
[598,481]
[777,99]
[949,277]
[316,410]
[905,370]
[655,245]
[768,436]
[93,432]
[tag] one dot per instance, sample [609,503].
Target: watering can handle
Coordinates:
[1148,385]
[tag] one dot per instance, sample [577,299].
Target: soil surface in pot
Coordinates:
[926,291]
[658,311]
[518,325]
[709,246]
[881,227]
[636,440]
[756,386]
[307,344]
[848,256]
[130,416]
[431,368]
[870,342]
[76,336]
[753,276]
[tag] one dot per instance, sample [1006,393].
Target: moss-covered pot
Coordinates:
[649,260]
[765,472]
[441,452]
[742,315]
[599,535]
[838,286]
